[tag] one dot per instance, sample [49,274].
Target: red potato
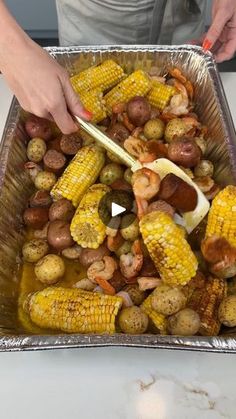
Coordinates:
[138,110]
[40,199]
[61,210]
[59,236]
[121,185]
[185,152]
[35,217]
[54,161]
[70,144]
[38,127]
[118,132]
[178,193]
[88,256]
[161,206]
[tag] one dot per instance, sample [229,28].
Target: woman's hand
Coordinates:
[221,36]
[40,84]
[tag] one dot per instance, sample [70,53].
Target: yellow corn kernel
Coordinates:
[73,310]
[158,319]
[103,76]
[136,84]
[168,248]
[93,101]
[205,299]
[222,215]
[82,172]
[160,94]
[87,228]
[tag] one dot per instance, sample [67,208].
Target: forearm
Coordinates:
[13,40]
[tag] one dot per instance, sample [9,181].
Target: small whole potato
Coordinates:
[49,269]
[59,236]
[133,320]
[45,180]
[110,173]
[61,210]
[175,128]
[40,199]
[167,300]
[184,323]
[35,217]
[36,149]
[138,110]
[129,227]
[185,152]
[204,168]
[89,256]
[124,248]
[136,295]
[128,175]
[227,311]
[154,128]
[38,127]
[34,250]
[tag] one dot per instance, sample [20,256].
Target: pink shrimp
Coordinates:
[131,263]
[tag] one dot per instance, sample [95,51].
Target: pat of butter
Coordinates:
[163,167]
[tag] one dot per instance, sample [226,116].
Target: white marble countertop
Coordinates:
[117,383]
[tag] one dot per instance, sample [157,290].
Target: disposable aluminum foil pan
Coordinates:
[15,188]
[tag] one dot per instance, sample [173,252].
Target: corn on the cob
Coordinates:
[168,248]
[82,172]
[158,319]
[205,300]
[136,84]
[74,310]
[87,228]
[222,215]
[93,102]
[104,76]
[160,94]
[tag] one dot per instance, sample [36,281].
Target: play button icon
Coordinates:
[115,203]
[116,209]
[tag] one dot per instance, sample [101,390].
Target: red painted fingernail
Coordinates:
[206,45]
[87,114]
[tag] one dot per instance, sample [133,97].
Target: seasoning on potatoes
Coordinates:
[49,269]
[34,250]
[204,168]
[133,320]
[89,256]
[40,199]
[138,110]
[70,144]
[154,128]
[110,173]
[227,311]
[59,236]
[35,217]
[45,180]
[136,295]
[184,152]
[175,128]
[184,323]
[54,161]
[36,149]
[178,193]
[118,132]
[129,227]
[167,300]
[38,127]
[61,210]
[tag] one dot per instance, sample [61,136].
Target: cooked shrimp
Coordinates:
[142,206]
[136,132]
[177,74]
[102,269]
[218,251]
[33,169]
[114,242]
[127,123]
[131,263]
[146,183]
[191,121]
[119,108]
[148,282]
[135,146]
[178,105]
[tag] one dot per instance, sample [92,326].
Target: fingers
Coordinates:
[73,102]
[217,26]
[61,115]
[226,52]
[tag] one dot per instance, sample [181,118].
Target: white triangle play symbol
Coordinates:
[116,209]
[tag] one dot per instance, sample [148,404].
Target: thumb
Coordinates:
[73,102]
[217,26]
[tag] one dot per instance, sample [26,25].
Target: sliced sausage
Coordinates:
[54,161]
[70,144]
[35,217]
[178,193]
[40,199]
